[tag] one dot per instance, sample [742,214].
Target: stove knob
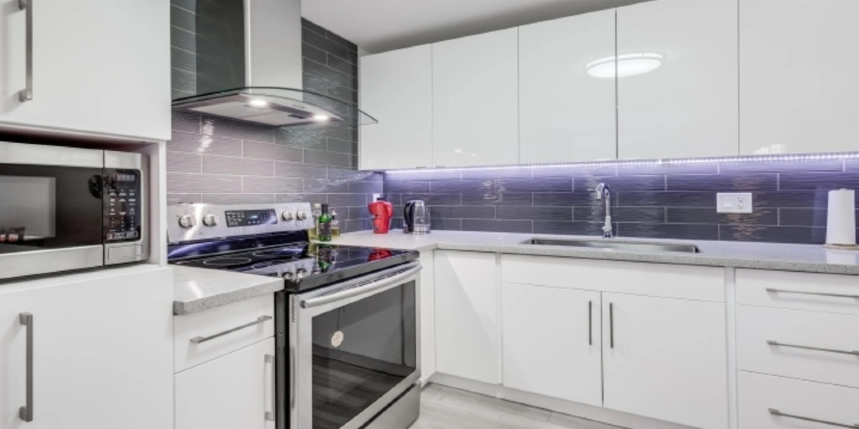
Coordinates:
[287,215]
[210,220]
[289,275]
[188,221]
[301,273]
[301,215]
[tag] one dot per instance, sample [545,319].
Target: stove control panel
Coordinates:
[192,222]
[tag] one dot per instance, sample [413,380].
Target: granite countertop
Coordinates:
[199,289]
[768,256]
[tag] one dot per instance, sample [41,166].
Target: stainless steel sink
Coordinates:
[638,246]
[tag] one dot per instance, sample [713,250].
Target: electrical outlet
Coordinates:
[736,202]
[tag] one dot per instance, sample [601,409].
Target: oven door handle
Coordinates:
[364,288]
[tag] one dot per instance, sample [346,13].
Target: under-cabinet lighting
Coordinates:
[321,118]
[652,162]
[258,103]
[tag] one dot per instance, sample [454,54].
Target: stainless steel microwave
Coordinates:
[67,209]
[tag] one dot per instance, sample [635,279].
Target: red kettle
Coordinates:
[382,212]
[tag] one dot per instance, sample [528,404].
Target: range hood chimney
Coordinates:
[249,67]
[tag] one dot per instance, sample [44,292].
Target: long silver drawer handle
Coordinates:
[366,288]
[26,412]
[590,323]
[27,93]
[819,349]
[611,324]
[796,292]
[260,320]
[269,415]
[776,412]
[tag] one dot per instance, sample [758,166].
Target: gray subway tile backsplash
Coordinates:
[675,201]
[219,161]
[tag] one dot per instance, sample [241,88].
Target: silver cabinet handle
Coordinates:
[819,349]
[27,93]
[269,415]
[776,412]
[797,292]
[590,323]
[611,324]
[260,320]
[26,412]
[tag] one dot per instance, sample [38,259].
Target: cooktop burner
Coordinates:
[302,265]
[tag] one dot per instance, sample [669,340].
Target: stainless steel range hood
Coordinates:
[249,67]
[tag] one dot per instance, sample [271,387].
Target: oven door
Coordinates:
[50,209]
[354,348]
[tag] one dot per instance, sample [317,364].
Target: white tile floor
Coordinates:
[447,408]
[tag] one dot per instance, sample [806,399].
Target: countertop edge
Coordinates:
[184,308]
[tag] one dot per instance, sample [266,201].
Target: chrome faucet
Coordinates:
[604,192]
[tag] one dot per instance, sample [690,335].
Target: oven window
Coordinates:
[360,352]
[49,207]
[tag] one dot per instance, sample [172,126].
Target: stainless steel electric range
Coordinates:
[348,338]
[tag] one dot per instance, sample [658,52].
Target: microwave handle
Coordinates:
[362,289]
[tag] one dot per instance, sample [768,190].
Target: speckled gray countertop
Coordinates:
[199,289]
[767,256]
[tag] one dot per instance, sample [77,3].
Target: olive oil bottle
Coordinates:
[324,223]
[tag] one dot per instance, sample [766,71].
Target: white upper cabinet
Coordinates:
[799,90]
[99,67]
[688,106]
[475,100]
[396,88]
[567,100]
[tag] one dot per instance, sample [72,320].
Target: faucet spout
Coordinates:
[603,193]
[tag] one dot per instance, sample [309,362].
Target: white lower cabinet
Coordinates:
[467,315]
[101,349]
[666,359]
[233,391]
[426,310]
[551,342]
[769,402]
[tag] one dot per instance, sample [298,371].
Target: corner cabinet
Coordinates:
[688,106]
[475,101]
[100,68]
[396,88]
[566,111]
[798,87]
[101,350]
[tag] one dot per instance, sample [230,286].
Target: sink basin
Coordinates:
[638,246]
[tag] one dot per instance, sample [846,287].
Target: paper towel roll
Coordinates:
[841,218]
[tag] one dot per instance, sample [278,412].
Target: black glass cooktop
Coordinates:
[302,265]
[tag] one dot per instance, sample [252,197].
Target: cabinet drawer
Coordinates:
[823,403]
[635,278]
[801,291]
[834,359]
[192,333]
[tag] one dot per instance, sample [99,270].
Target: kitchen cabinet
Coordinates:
[666,359]
[396,88]
[475,103]
[566,114]
[426,310]
[798,86]
[688,106]
[102,350]
[98,68]
[467,331]
[233,391]
[552,341]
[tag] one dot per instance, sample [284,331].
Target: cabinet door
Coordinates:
[98,67]
[233,391]
[466,312]
[426,310]
[565,113]
[102,351]
[688,107]
[798,86]
[551,342]
[475,100]
[666,359]
[396,88]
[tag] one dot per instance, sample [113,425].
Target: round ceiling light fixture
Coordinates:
[627,65]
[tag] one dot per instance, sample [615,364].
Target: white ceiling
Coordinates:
[384,25]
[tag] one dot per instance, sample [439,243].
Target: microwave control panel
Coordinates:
[121,205]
